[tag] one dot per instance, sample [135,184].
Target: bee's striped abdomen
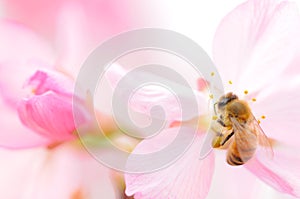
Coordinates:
[239,154]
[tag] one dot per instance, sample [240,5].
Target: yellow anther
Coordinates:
[246,92]
[230,82]
[212,74]
[211,96]
[254,99]
[258,121]
[214,117]
[263,117]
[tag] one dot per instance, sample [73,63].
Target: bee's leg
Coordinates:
[220,139]
[216,142]
[227,138]
[221,122]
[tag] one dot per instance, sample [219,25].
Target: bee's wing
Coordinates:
[263,141]
[251,136]
[245,143]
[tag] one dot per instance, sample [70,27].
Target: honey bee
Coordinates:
[240,130]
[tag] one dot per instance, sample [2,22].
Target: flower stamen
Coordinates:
[258,121]
[246,92]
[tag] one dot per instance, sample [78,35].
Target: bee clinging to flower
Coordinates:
[240,132]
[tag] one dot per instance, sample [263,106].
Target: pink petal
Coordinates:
[63,172]
[189,177]
[17,168]
[71,172]
[50,111]
[43,81]
[72,35]
[151,96]
[40,15]
[77,27]
[51,115]
[101,19]
[54,96]
[282,172]
[258,39]
[21,53]
[231,182]
[279,103]
[18,42]
[144,99]
[294,66]
[14,134]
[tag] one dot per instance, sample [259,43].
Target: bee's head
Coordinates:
[225,99]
